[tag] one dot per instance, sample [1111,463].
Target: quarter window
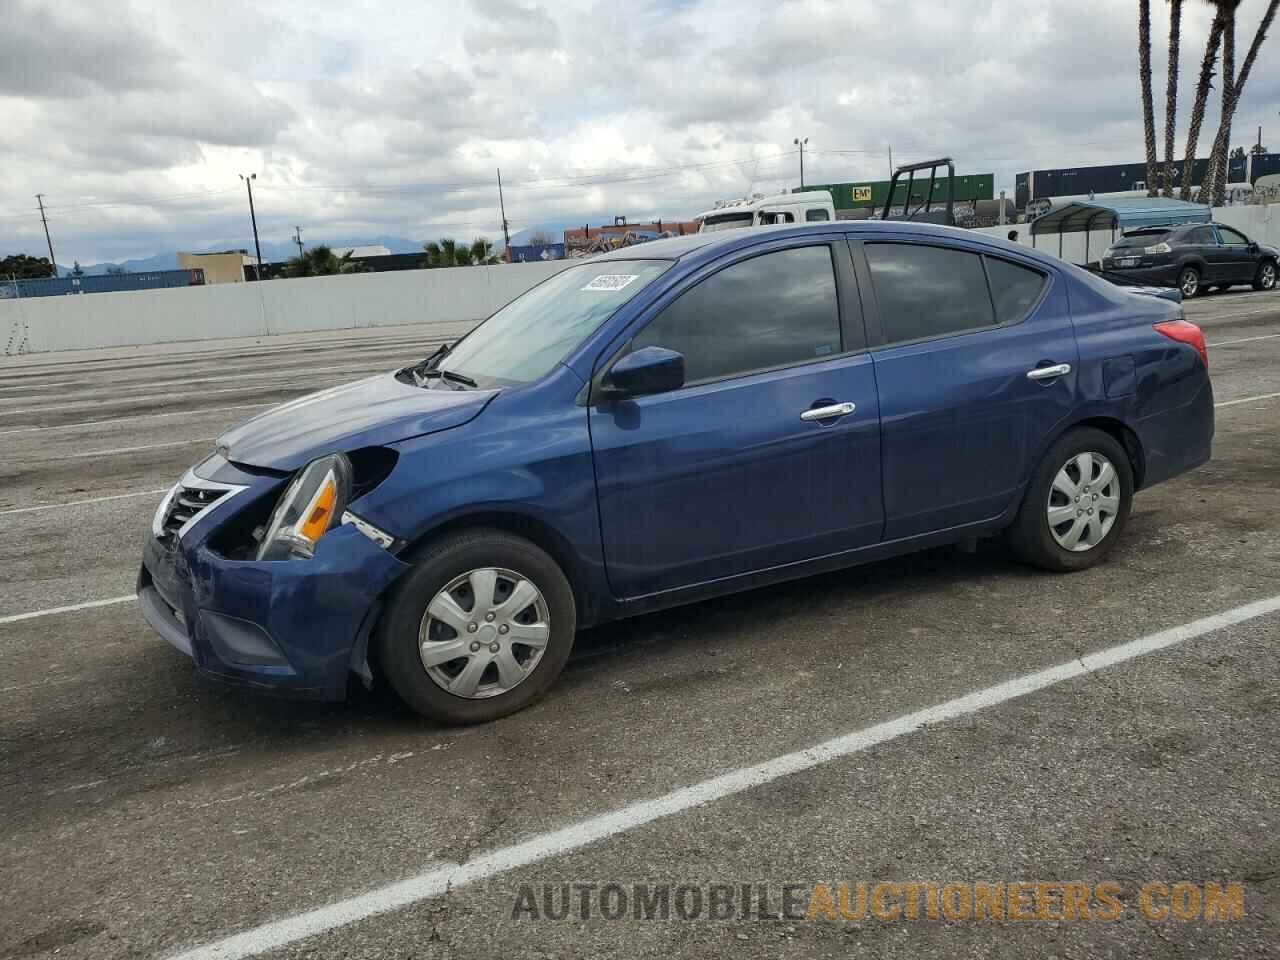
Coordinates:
[771,310]
[1014,288]
[925,291]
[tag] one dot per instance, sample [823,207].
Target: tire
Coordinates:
[1265,278]
[485,693]
[1189,282]
[1034,540]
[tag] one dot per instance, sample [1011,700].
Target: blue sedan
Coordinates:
[671,422]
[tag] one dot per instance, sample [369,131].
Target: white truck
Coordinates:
[810,206]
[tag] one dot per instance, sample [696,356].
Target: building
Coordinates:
[1129,177]
[228,266]
[587,240]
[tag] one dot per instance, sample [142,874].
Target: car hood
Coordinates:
[371,412]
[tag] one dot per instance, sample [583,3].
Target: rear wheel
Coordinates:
[1265,279]
[1189,282]
[1076,504]
[480,628]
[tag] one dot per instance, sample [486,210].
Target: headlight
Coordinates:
[1106,254]
[313,503]
[1158,248]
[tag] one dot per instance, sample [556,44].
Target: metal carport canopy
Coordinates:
[1123,213]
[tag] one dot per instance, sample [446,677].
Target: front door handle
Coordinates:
[1048,373]
[827,413]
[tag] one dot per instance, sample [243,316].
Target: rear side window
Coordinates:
[771,310]
[927,291]
[1014,288]
[1202,235]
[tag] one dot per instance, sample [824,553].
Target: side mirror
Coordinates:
[647,370]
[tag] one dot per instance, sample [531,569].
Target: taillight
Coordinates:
[1184,331]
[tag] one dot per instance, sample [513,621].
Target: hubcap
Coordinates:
[1268,276]
[484,633]
[1190,282]
[1083,502]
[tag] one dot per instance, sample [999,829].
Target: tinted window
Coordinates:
[1142,238]
[766,218]
[770,310]
[1015,289]
[1202,235]
[812,215]
[928,291]
[1231,236]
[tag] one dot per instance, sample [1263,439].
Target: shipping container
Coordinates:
[103,283]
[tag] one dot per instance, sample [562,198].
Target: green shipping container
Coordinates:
[872,193]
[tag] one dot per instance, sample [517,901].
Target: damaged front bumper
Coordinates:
[296,627]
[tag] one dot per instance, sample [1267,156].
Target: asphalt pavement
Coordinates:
[147,813]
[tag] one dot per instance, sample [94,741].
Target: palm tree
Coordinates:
[1171,93]
[449,253]
[1217,154]
[1202,97]
[1144,75]
[321,261]
[1232,88]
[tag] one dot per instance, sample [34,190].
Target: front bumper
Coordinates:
[295,627]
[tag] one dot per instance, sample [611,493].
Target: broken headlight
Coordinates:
[312,503]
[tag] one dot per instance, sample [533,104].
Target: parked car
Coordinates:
[666,423]
[1195,257]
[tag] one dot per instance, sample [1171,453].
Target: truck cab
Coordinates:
[810,206]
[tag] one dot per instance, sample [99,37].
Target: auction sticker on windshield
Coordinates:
[610,282]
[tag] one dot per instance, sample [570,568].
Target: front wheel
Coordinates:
[1265,279]
[1076,504]
[1189,282]
[481,627]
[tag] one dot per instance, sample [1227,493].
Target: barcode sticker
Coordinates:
[610,282]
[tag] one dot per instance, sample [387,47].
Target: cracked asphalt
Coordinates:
[146,811]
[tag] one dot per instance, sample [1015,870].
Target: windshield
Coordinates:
[726,221]
[1141,238]
[531,334]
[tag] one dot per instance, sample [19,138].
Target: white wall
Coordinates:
[1256,221]
[87,321]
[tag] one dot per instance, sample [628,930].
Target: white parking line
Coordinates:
[1261,396]
[111,453]
[77,503]
[142,416]
[1227,343]
[441,879]
[89,605]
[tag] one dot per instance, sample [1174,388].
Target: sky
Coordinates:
[136,118]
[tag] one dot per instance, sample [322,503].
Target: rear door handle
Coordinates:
[827,413]
[1048,373]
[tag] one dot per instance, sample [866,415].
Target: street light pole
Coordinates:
[800,143]
[253,217]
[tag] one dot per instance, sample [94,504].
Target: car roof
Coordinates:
[709,245]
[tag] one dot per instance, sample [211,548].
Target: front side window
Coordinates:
[726,221]
[1232,237]
[925,291]
[771,310]
[770,217]
[813,216]
[524,340]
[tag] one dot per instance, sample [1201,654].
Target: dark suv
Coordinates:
[1196,257]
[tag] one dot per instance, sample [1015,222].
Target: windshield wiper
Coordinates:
[429,363]
[448,375]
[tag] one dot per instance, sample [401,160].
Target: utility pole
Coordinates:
[43,219]
[800,143]
[891,161]
[502,206]
[257,248]
[297,238]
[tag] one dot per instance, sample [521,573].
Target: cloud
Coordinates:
[387,118]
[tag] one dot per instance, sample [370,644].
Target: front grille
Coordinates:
[184,504]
